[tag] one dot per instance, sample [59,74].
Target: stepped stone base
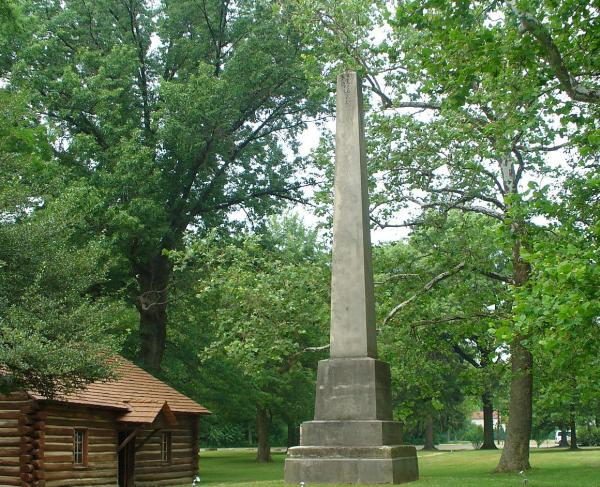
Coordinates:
[353,439]
[351,465]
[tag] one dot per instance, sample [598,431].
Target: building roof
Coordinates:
[479,415]
[137,393]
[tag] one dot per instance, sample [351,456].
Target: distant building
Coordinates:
[136,431]
[477,418]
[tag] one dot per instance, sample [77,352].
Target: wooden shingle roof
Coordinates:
[136,392]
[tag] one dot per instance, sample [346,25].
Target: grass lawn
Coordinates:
[551,468]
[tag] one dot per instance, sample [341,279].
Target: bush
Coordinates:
[474,434]
[224,435]
[588,437]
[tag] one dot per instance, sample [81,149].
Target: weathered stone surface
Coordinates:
[353,388]
[352,302]
[352,465]
[350,433]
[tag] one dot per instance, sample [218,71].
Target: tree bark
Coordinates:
[563,443]
[263,452]
[573,445]
[153,281]
[515,454]
[429,443]
[488,422]
[293,435]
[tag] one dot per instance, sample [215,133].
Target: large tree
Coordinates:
[174,112]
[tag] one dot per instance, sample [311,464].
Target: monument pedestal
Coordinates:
[353,438]
[351,465]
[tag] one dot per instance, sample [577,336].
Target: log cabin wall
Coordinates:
[19,441]
[58,460]
[150,470]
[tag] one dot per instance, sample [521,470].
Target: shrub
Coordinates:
[588,437]
[474,434]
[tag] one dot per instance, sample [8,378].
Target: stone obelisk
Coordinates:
[353,438]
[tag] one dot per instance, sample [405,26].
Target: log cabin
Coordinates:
[135,431]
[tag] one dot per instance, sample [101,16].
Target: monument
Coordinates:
[353,438]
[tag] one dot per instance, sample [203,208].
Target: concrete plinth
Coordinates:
[351,465]
[353,388]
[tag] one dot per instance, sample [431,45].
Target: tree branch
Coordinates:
[431,284]
[552,55]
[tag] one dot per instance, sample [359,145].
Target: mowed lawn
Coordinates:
[551,468]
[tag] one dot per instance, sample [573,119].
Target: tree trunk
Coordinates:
[293,435]
[515,454]
[263,453]
[488,422]
[563,443]
[250,440]
[153,282]
[573,445]
[429,444]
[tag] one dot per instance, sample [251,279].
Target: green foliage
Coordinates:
[474,434]
[244,338]
[57,331]
[588,436]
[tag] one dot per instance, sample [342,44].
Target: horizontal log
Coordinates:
[94,457]
[13,414]
[82,413]
[101,482]
[158,468]
[9,471]
[81,473]
[10,441]
[86,422]
[9,452]
[91,466]
[10,462]
[10,481]
[15,405]
[158,476]
[64,431]
[57,448]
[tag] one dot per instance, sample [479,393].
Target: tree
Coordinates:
[448,313]
[266,299]
[174,114]
[56,333]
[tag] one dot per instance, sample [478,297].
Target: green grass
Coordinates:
[551,468]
